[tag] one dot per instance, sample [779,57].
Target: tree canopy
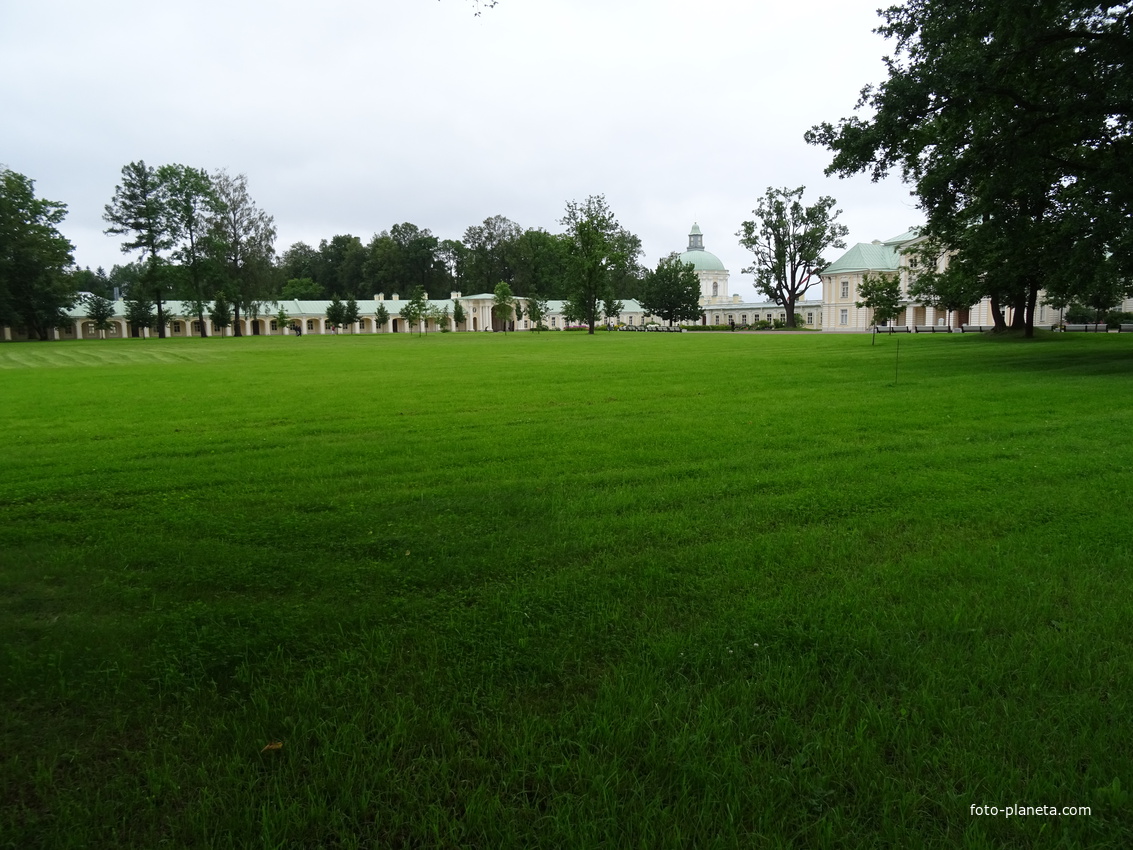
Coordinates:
[34,257]
[1011,120]
[599,251]
[788,240]
[672,291]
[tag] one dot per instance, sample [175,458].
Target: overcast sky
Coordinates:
[349,115]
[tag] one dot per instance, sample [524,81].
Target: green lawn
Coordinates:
[629,590]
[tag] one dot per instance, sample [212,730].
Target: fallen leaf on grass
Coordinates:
[274,745]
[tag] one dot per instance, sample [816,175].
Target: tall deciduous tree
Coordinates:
[242,239]
[191,205]
[140,211]
[381,315]
[458,315]
[597,254]
[489,246]
[788,239]
[1012,121]
[672,291]
[34,256]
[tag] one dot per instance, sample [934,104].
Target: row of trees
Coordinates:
[1012,122]
[200,238]
[531,261]
[196,233]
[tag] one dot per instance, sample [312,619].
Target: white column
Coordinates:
[930,315]
[911,315]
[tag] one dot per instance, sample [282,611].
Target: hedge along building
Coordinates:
[721,308]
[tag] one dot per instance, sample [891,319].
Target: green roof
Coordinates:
[702,261]
[865,257]
[908,236]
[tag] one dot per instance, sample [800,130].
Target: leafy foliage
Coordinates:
[537,310]
[242,243]
[34,256]
[336,313]
[882,294]
[788,240]
[503,303]
[599,251]
[100,311]
[141,211]
[1012,122]
[672,291]
[415,310]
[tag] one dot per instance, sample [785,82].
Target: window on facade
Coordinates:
[743,318]
[843,317]
[196,327]
[631,320]
[845,289]
[310,324]
[274,325]
[552,321]
[525,325]
[810,318]
[176,327]
[715,288]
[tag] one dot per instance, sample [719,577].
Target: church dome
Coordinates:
[702,261]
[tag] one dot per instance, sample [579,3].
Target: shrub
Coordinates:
[1116,318]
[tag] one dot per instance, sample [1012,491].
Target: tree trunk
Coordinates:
[236,320]
[1019,310]
[997,315]
[1032,300]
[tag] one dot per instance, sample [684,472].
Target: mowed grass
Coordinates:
[556,591]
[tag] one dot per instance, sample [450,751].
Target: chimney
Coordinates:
[381,296]
[454,295]
[396,297]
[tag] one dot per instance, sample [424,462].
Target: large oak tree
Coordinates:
[1011,120]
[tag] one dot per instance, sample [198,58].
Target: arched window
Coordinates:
[715,289]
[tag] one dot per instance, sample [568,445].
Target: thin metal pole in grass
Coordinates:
[897,361]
